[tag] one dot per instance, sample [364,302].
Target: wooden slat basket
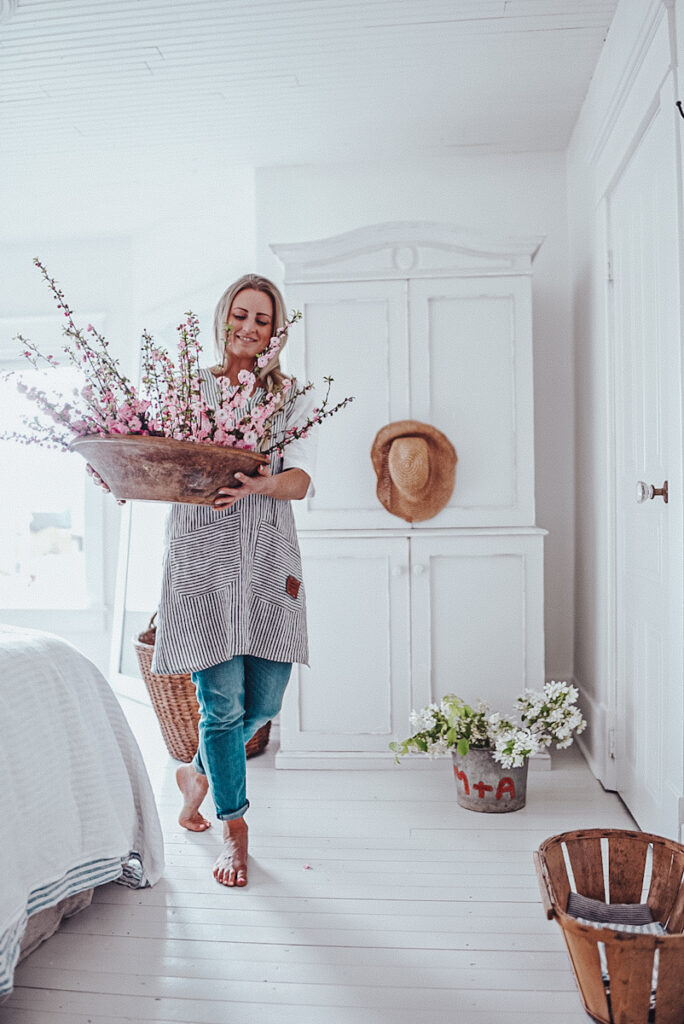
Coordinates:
[623,977]
[174,701]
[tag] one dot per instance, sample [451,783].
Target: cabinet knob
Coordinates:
[398,570]
[418,570]
[645,492]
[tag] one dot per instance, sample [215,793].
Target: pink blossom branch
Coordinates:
[317,416]
[170,403]
[264,357]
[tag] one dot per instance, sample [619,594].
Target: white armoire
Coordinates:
[427,322]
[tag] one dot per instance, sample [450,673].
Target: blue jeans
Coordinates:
[235,699]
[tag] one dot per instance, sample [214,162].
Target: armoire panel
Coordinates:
[471,377]
[478,626]
[348,699]
[477,606]
[472,341]
[360,340]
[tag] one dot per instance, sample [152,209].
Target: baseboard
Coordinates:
[347,759]
[540,762]
[365,760]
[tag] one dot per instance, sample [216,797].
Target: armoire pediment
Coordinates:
[400,249]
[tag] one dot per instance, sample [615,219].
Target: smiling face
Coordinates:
[251,324]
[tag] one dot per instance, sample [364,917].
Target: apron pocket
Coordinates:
[277,571]
[206,560]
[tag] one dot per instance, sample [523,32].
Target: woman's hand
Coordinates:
[259,484]
[97,479]
[290,485]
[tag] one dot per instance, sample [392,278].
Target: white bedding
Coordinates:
[76,805]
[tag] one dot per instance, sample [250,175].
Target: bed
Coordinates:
[76,805]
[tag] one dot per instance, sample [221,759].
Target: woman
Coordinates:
[232,609]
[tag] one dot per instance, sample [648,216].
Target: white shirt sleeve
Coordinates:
[301,453]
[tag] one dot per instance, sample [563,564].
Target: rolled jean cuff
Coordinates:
[197,765]
[233,815]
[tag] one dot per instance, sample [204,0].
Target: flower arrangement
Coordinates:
[169,402]
[541,717]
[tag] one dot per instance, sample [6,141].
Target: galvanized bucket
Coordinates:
[482,784]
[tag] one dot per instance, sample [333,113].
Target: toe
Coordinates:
[224,874]
[194,824]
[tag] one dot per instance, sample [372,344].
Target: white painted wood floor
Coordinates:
[409,907]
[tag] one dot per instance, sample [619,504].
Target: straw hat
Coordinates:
[416,468]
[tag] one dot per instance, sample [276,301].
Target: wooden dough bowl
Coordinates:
[163,469]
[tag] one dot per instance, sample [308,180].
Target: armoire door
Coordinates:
[477,616]
[355,697]
[471,377]
[356,333]
[645,326]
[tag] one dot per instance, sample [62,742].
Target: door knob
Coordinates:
[644,492]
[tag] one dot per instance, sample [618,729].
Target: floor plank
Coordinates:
[126,978]
[373,898]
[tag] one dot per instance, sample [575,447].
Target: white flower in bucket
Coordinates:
[540,718]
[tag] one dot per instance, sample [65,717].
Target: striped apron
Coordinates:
[232,580]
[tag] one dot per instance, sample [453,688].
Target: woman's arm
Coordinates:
[290,485]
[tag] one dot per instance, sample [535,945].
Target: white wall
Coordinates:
[518,194]
[183,246]
[196,246]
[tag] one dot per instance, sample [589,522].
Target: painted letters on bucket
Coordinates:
[505,786]
[482,784]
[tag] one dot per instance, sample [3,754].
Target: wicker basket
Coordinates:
[175,704]
[614,970]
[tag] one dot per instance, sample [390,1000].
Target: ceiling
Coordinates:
[296,81]
[107,87]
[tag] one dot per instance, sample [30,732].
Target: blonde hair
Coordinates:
[270,376]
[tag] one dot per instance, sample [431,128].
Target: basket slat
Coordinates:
[626,863]
[544,886]
[555,865]
[670,990]
[676,879]
[675,922]
[630,968]
[661,893]
[587,866]
[586,964]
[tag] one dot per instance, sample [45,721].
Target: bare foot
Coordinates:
[231,865]
[193,785]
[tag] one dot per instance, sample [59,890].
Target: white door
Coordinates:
[646,324]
